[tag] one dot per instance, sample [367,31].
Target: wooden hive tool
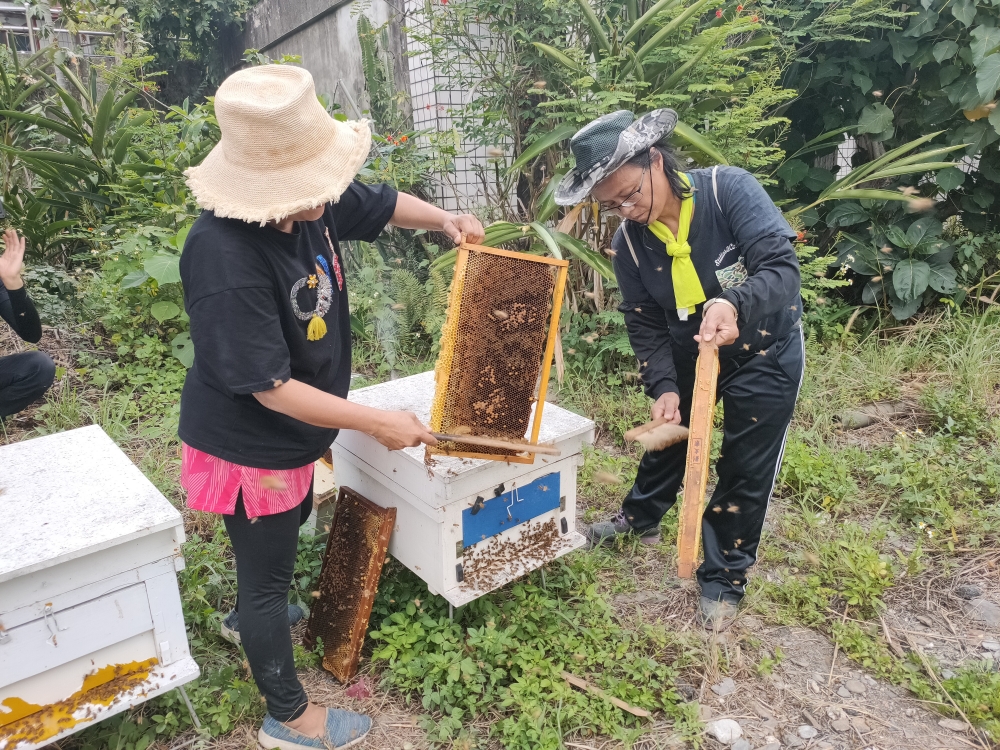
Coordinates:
[698,455]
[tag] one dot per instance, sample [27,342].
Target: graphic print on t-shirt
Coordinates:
[324,295]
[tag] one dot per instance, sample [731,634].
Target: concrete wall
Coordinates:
[325,35]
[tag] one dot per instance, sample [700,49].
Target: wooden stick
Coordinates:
[698,455]
[584,685]
[543,448]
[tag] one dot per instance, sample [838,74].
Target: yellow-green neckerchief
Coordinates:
[687,286]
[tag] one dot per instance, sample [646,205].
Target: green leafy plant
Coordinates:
[910,269]
[505,652]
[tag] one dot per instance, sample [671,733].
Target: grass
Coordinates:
[862,521]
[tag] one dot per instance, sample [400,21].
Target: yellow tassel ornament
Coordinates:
[316,329]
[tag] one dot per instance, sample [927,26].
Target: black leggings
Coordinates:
[265,563]
[24,378]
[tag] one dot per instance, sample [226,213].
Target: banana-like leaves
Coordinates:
[542,145]
[553,240]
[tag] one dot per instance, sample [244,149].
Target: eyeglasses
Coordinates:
[633,198]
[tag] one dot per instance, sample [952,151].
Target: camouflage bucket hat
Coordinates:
[608,142]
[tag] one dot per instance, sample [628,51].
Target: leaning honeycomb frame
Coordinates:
[461,335]
[352,564]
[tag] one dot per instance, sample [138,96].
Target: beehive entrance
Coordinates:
[355,553]
[498,338]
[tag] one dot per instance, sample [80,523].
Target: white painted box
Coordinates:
[90,612]
[467,526]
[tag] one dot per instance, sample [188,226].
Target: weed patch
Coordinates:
[505,653]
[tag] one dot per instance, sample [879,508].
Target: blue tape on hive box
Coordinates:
[510,509]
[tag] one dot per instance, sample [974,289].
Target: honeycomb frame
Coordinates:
[478,325]
[355,552]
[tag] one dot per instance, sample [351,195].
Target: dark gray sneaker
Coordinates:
[231,625]
[606,532]
[716,615]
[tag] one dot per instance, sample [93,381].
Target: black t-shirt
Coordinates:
[251,293]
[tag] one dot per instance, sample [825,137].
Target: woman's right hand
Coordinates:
[667,406]
[401,429]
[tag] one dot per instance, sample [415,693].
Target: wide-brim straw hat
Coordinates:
[280,151]
[602,146]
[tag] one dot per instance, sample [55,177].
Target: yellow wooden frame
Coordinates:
[699,455]
[442,370]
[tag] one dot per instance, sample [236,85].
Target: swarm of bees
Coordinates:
[58,717]
[490,566]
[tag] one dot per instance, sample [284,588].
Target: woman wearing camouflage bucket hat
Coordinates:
[701,255]
[265,289]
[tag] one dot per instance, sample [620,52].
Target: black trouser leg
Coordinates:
[24,378]
[758,400]
[265,562]
[661,472]
[758,395]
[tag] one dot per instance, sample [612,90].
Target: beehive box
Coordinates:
[467,526]
[90,613]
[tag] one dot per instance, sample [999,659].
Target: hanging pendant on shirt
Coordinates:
[324,296]
[336,261]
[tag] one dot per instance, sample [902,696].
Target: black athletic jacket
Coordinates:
[20,314]
[741,248]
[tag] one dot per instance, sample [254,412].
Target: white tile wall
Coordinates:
[434,97]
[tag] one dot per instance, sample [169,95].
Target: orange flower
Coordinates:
[739,8]
[404,139]
[754,19]
[718,14]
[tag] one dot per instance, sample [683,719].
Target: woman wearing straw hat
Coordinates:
[701,255]
[265,290]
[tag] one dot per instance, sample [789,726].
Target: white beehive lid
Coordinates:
[450,477]
[71,494]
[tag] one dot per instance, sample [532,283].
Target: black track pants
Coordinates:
[758,394]
[24,378]
[265,562]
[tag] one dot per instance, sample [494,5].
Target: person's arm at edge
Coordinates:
[19,312]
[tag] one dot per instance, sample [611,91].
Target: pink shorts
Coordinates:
[213,485]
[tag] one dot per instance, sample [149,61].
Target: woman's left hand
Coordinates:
[457,225]
[718,326]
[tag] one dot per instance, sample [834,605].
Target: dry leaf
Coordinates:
[979,112]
